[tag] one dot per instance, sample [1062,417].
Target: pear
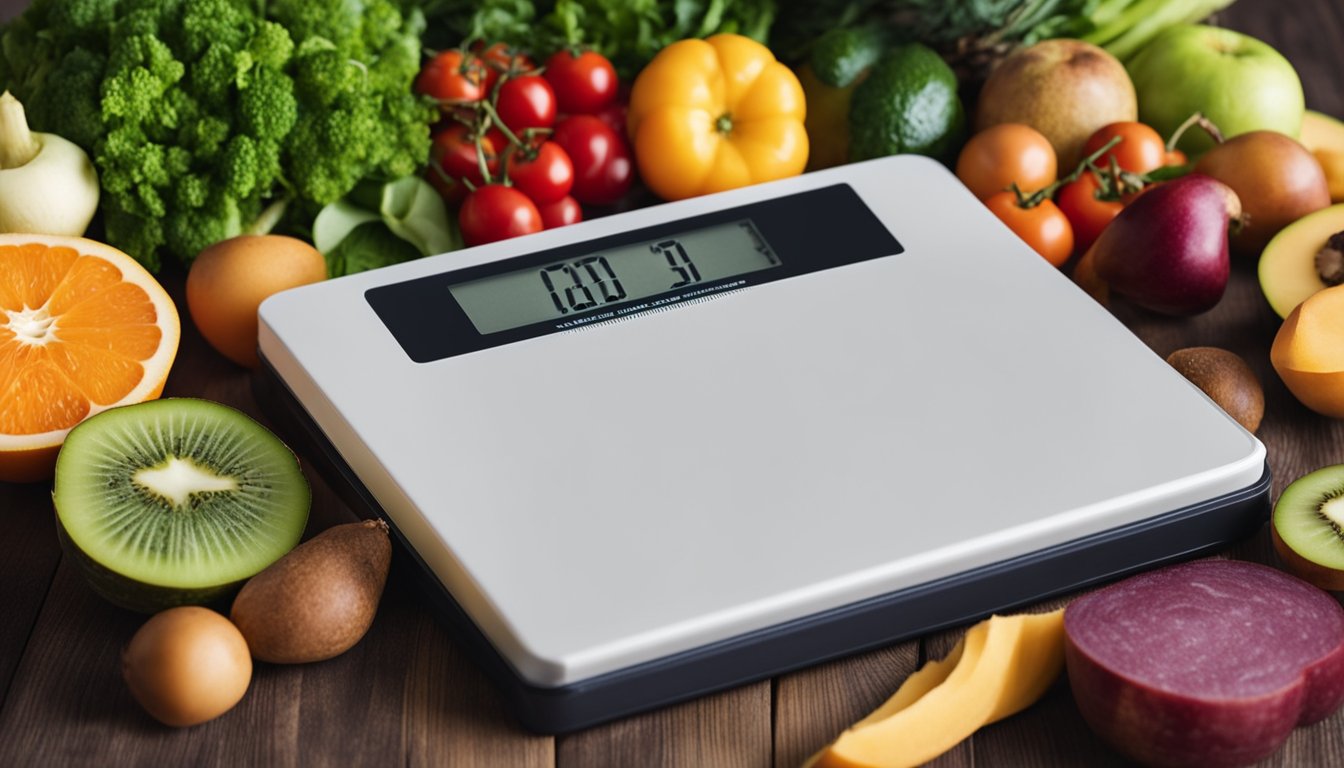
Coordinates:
[1168,250]
[317,601]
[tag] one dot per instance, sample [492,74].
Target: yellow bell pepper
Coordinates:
[715,114]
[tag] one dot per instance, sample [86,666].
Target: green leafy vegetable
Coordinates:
[198,113]
[368,246]
[376,226]
[628,32]
[974,34]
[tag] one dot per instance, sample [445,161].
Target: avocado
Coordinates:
[908,104]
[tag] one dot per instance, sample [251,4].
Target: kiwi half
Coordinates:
[1308,527]
[176,501]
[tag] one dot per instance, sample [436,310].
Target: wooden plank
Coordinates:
[27,566]
[815,705]
[726,730]
[452,714]
[69,705]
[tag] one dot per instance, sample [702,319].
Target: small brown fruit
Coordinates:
[1226,379]
[317,601]
[1276,178]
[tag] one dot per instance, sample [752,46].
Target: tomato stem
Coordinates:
[1047,192]
[504,129]
[480,158]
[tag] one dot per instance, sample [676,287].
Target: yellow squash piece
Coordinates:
[1002,666]
[716,114]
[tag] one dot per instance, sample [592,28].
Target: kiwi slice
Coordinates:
[176,501]
[1308,527]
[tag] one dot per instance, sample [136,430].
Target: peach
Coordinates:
[1308,352]
[1324,136]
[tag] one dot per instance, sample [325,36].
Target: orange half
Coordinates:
[83,328]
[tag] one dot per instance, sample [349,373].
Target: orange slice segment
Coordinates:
[83,328]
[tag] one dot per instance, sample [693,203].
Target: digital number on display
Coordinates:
[616,276]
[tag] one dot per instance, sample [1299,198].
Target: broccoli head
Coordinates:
[197,113]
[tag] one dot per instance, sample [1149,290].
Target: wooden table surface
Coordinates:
[407,695]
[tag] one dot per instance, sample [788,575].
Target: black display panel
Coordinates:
[559,289]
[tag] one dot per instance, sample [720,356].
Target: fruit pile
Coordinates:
[1140,190]
[522,149]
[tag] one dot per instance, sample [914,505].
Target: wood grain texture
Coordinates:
[815,705]
[28,558]
[727,730]
[451,714]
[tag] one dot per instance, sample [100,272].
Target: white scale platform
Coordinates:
[664,492]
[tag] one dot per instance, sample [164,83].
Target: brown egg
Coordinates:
[187,665]
[230,279]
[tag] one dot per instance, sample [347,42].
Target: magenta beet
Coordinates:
[1167,251]
[1209,663]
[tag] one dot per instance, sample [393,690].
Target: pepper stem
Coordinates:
[17,145]
[724,124]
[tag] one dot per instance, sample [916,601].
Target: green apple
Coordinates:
[1238,82]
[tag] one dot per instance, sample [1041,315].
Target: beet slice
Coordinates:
[1209,663]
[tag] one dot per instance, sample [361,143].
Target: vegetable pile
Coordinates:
[199,114]
[520,150]
[628,32]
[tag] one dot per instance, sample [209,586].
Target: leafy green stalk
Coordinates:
[1128,32]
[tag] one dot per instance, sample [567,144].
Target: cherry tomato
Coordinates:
[452,157]
[1043,227]
[602,168]
[543,173]
[526,102]
[1003,154]
[1086,214]
[496,212]
[1176,157]
[583,84]
[562,212]
[452,76]
[1140,150]
[500,58]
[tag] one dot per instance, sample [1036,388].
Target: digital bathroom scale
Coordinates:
[678,449]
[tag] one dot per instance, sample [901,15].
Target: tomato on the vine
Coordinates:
[526,102]
[543,173]
[453,76]
[1006,154]
[1042,226]
[453,157]
[1140,149]
[603,171]
[583,84]
[561,213]
[1087,214]
[501,58]
[496,212]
